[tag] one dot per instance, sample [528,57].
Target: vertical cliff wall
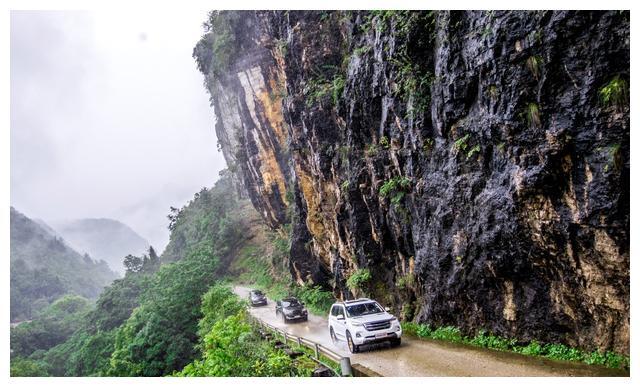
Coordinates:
[474,164]
[246,93]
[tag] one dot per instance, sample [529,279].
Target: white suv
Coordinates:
[363,321]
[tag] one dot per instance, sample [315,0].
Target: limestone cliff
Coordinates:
[475,164]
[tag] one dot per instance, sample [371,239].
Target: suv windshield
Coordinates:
[257,293]
[363,309]
[290,303]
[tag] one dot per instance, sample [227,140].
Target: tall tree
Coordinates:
[151,262]
[133,264]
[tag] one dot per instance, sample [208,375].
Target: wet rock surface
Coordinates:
[471,161]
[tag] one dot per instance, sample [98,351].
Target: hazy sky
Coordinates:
[109,117]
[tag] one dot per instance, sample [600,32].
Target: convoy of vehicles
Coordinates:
[358,322]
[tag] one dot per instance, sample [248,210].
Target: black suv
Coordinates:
[291,309]
[257,298]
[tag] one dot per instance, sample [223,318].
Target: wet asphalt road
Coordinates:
[416,357]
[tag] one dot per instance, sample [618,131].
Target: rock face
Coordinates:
[475,164]
[247,95]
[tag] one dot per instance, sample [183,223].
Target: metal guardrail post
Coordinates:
[345,366]
[345,362]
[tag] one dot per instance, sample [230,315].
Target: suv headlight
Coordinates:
[356,323]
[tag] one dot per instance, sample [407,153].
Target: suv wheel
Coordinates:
[334,339]
[284,318]
[396,342]
[352,347]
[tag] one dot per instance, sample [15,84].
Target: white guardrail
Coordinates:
[344,362]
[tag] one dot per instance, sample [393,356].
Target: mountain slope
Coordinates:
[104,239]
[43,268]
[146,323]
[46,227]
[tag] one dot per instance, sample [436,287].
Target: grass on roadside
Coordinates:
[534,348]
[311,354]
[231,344]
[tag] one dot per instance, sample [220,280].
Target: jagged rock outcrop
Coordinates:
[247,97]
[475,163]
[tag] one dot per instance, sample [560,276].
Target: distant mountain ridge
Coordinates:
[102,238]
[44,267]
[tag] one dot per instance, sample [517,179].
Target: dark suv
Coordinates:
[291,309]
[257,298]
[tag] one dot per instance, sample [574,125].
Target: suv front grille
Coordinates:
[378,325]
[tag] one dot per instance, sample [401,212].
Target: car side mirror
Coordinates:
[340,317]
[387,309]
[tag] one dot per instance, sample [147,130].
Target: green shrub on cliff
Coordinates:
[218,47]
[461,143]
[337,89]
[384,142]
[396,188]
[533,64]
[532,113]
[615,92]
[317,89]
[473,151]
[406,281]
[318,301]
[359,279]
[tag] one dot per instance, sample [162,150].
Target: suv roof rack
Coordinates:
[354,301]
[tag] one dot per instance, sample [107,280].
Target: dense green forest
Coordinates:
[44,268]
[177,317]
